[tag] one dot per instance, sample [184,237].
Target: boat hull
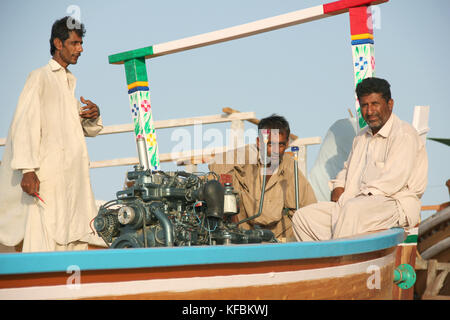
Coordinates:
[360,268]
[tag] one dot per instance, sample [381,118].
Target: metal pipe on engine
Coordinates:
[156,209]
[142,153]
[265,136]
[295,149]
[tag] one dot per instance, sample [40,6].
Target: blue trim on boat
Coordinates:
[37,262]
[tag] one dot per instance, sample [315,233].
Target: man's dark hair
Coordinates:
[275,122]
[61,29]
[374,85]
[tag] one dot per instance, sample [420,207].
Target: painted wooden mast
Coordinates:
[144,128]
[361,29]
[136,73]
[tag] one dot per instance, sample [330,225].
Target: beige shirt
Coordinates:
[47,135]
[392,163]
[279,193]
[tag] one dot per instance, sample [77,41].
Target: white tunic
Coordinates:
[392,163]
[47,135]
[384,178]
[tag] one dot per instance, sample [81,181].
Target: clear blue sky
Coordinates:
[302,72]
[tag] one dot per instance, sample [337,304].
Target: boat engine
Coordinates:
[173,209]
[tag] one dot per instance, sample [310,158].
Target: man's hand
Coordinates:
[30,183]
[90,110]
[336,194]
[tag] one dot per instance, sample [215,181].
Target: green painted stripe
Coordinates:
[120,58]
[135,70]
[411,239]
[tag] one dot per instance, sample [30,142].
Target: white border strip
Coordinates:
[91,290]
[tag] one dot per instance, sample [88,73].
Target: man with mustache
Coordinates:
[279,197]
[382,181]
[46,198]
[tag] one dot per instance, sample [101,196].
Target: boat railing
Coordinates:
[191,158]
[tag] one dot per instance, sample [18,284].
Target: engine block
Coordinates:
[173,209]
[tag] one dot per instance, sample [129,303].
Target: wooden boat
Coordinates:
[361,267]
[433,247]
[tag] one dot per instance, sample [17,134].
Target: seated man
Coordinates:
[382,181]
[279,196]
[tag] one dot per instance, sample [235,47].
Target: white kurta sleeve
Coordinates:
[26,126]
[340,178]
[339,181]
[92,127]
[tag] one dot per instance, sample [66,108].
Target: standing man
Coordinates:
[279,196]
[382,181]
[46,198]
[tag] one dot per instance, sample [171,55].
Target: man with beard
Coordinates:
[46,198]
[279,197]
[382,181]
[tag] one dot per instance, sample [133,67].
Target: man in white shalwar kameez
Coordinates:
[382,181]
[46,198]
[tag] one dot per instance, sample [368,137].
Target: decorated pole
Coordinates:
[134,60]
[245,30]
[141,112]
[361,28]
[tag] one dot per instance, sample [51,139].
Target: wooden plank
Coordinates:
[199,157]
[172,123]
[242,31]
[253,120]
[294,139]
[187,271]
[185,155]
[228,110]
[346,275]
[220,118]
[406,254]
[345,288]
[431,276]
[119,128]
[430,208]
[438,283]
[342,6]
[182,157]
[306,141]
[420,121]
[114,163]
[435,297]
[219,36]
